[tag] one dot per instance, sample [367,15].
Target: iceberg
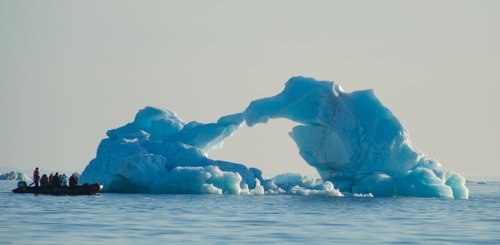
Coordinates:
[13,175]
[356,144]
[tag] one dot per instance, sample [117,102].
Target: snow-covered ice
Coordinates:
[356,144]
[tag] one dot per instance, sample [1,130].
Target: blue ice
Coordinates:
[356,144]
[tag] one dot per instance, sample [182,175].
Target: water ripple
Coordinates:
[213,219]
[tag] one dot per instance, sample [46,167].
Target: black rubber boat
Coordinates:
[85,189]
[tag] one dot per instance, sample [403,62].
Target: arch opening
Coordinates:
[267,147]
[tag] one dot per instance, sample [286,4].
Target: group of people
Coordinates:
[53,180]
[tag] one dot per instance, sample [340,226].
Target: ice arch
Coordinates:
[353,141]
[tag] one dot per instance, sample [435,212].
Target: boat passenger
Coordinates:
[51,177]
[56,180]
[64,180]
[73,180]
[44,181]
[36,177]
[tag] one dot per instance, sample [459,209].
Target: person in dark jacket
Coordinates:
[36,177]
[73,180]
[51,176]
[56,181]
[44,181]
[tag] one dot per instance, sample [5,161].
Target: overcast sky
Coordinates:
[69,71]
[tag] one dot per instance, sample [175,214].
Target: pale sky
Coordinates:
[69,71]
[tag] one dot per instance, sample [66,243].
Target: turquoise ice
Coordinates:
[355,142]
[357,145]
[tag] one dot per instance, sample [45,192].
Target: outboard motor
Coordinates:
[22,184]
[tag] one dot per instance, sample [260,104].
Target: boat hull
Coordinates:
[91,189]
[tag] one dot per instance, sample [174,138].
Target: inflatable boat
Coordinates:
[85,189]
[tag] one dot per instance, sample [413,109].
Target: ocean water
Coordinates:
[226,219]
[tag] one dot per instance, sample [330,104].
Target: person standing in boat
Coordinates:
[73,180]
[36,177]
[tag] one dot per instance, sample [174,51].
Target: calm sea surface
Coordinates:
[209,219]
